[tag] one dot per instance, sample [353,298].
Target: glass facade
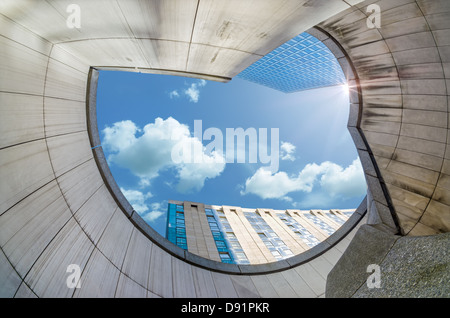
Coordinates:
[299,230]
[219,238]
[321,224]
[347,213]
[272,241]
[176,227]
[235,247]
[223,224]
[302,63]
[335,218]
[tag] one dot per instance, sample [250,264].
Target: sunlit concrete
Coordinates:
[403,70]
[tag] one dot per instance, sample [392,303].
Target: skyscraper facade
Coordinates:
[238,235]
[301,63]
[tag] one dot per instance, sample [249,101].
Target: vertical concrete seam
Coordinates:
[134,35]
[192,35]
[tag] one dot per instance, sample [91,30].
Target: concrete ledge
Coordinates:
[167,72]
[91,106]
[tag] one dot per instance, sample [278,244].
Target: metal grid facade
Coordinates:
[302,63]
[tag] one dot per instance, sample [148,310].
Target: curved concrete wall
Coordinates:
[403,70]
[56,210]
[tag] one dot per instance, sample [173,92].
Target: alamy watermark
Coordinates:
[374,279]
[374,19]
[74,19]
[235,146]
[73,280]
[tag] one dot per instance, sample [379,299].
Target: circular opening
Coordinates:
[120,141]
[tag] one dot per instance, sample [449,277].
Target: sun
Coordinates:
[345,88]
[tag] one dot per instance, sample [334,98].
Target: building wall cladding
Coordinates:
[256,250]
[283,241]
[55,207]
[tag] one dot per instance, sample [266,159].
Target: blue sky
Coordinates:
[141,117]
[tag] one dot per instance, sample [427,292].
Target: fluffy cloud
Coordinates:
[156,210]
[137,199]
[348,182]
[120,136]
[286,151]
[334,179]
[270,186]
[149,212]
[193,92]
[151,152]
[192,176]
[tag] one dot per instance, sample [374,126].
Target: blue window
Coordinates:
[321,224]
[275,245]
[181,242]
[221,245]
[176,228]
[299,230]
[225,257]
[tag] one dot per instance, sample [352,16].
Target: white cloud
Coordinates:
[269,186]
[193,176]
[193,92]
[137,199]
[149,154]
[156,210]
[149,212]
[174,94]
[152,216]
[287,150]
[287,199]
[120,136]
[335,180]
[346,182]
[143,183]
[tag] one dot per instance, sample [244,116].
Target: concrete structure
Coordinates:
[236,235]
[59,206]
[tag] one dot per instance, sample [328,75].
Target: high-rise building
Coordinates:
[301,63]
[238,235]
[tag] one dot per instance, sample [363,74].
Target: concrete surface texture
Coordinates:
[57,210]
[403,70]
